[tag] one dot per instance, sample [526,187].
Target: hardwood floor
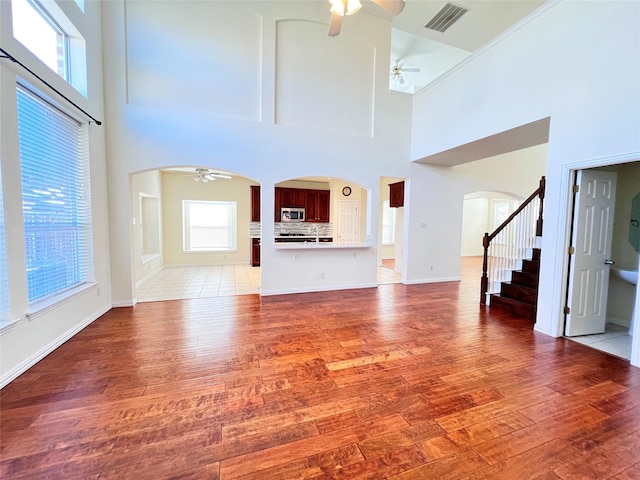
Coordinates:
[399,382]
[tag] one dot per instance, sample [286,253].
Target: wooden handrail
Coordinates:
[488,237]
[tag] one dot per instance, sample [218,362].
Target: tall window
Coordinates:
[388,224]
[209,226]
[36,30]
[56,200]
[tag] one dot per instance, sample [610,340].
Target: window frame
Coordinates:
[65,71]
[232,226]
[74,46]
[44,303]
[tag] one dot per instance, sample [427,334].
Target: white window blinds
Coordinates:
[55,197]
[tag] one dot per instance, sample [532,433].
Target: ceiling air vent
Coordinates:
[446,17]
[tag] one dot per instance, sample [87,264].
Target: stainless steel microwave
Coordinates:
[292,214]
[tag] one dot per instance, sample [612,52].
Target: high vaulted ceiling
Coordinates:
[415,46]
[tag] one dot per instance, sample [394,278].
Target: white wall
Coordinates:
[475,222]
[270,135]
[562,64]
[30,340]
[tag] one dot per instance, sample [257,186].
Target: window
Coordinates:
[388,224]
[37,31]
[209,226]
[56,200]
[53,38]
[501,211]
[5,312]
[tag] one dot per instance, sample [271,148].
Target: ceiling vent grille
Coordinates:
[446,17]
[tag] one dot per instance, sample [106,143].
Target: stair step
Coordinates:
[527,279]
[535,254]
[516,307]
[519,292]
[531,266]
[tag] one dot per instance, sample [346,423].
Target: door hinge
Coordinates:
[576,188]
[567,310]
[572,250]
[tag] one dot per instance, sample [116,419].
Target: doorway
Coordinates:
[391,236]
[615,336]
[191,235]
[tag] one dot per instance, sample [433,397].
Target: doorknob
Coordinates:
[609,262]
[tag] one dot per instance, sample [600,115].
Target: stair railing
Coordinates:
[510,242]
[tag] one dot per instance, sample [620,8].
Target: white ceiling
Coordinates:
[433,52]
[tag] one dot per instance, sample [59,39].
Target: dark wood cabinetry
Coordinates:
[317,206]
[255,252]
[292,197]
[317,203]
[396,194]
[255,203]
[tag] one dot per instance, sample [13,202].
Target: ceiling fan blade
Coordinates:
[411,70]
[219,175]
[335,24]
[394,7]
[401,80]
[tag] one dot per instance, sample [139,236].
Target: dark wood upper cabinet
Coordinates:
[255,203]
[317,203]
[396,194]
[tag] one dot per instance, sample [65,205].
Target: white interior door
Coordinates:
[591,238]
[348,221]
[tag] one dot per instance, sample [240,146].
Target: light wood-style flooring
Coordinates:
[396,382]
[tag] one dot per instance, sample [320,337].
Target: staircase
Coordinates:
[510,279]
[520,295]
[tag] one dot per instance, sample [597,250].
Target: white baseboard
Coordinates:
[621,322]
[124,304]
[432,280]
[43,352]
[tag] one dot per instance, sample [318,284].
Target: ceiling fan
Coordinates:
[397,70]
[204,175]
[340,8]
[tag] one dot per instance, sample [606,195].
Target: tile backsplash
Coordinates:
[324,229]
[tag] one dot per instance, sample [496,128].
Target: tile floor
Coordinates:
[175,283]
[388,275]
[615,341]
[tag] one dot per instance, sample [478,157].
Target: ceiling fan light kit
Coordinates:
[397,70]
[204,175]
[341,8]
[345,7]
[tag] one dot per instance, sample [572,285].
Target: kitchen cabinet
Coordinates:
[287,197]
[255,203]
[317,206]
[291,197]
[255,252]
[396,194]
[317,203]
